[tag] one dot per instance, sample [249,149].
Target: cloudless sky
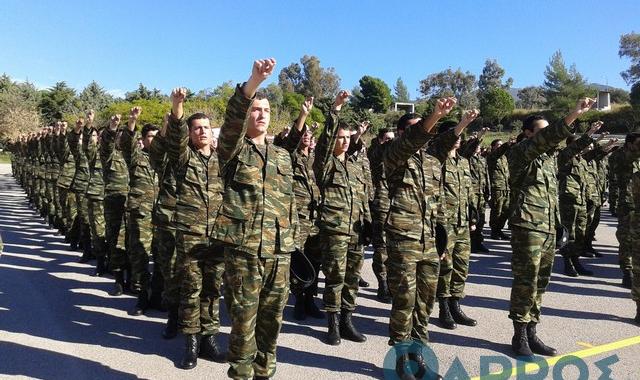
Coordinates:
[200,44]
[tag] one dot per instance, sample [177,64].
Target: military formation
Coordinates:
[236,214]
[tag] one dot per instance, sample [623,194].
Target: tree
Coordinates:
[57,101]
[374,94]
[309,78]
[634,96]
[142,92]
[563,86]
[619,96]
[18,108]
[93,97]
[630,48]
[495,104]
[531,97]
[491,77]
[451,83]
[401,93]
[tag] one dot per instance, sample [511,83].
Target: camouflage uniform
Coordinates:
[628,163]
[379,210]
[614,160]
[200,261]
[80,228]
[535,211]
[499,177]
[51,175]
[95,196]
[116,188]
[415,194]
[480,190]
[635,227]
[65,177]
[594,192]
[258,222]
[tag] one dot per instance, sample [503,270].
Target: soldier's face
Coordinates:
[342,143]
[259,117]
[200,133]
[386,137]
[457,144]
[146,140]
[305,141]
[94,138]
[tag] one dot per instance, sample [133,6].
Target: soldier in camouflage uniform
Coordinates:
[343,212]
[500,198]
[143,189]
[258,223]
[627,164]
[481,189]
[306,191]
[535,211]
[81,232]
[635,220]
[415,195]
[65,178]
[116,188]
[379,211]
[614,160]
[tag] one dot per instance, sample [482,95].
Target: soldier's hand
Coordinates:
[469,116]
[584,105]
[262,69]
[595,127]
[306,106]
[363,127]
[178,95]
[114,121]
[340,100]
[602,136]
[444,106]
[135,112]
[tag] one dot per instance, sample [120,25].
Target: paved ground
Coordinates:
[58,322]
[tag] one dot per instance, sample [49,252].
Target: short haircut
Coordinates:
[383,131]
[148,128]
[403,122]
[530,121]
[631,137]
[447,125]
[494,142]
[194,117]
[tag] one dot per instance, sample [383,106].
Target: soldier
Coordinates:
[456,181]
[481,189]
[143,189]
[499,178]
[116,188]
[379,211]
[65,178]
[81,232]
[627,163]
[614,159]
[200,260]
[533,178]
[635,188]
[344,208]
[297,142]
[258,222]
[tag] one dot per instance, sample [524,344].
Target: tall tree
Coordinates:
[460,84]
[57,101]
[94,97]
[630,48]
[374,94]
[491,77]
[18,108]
[531,97]
[401,92]
[309,78]
[495,104]
[562,85]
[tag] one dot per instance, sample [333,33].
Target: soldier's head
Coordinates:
[149,131]
[259,116]
[305,140]
[571,139]
[199,130]
[94,137]
[632,141]
[533,124]
[343,140]
[495,144]
[446,126]
[407,120]
[385,135]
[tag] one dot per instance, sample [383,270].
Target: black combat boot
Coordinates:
[310,307]
[520,342]
[348,330]
[298,308]
[363,284]
[482,248]
[582,271]
[171,328]
[424,371]
[143,297]
[209,349]
[446,320]
[458,315]
[535,344]
[383,294]
[156,289]
[192,348]
[101,267]
[118,287]
[333,335]
[569,269]
[627,279]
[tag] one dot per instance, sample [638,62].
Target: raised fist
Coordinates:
[262,68]
[595,127]
[444,106]
[79,124]
[135,112]
[178,95]
[341,99]
[584,105]
[470,116]
[114,121]
[306,106]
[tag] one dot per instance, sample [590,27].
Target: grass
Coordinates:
[5,158]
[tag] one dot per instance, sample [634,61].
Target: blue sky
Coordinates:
[200,44]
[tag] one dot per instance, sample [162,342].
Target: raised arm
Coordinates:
[128,141]
[291,141]
[327,140]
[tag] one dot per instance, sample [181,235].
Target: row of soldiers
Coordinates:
[233,212]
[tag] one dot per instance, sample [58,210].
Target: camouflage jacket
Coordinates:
[498,166]
[198,183]
[52,162]
[533,180]
[304,185]
[415,187]
[380,203]
[628,164]
[95,191]
[165,203]
[114,167]
[82,174]
[478,168]
[635,193]
[572,171]
[258,213]
[596,175]
[614,162]
[67,163]
[143,182]
[344,204]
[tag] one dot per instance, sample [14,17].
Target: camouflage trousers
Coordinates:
[624,234]
[499,209]
[95,212]
[114,217]
[574,218]
[478,204]
[454,269]
[593,219]
[201,268]
[140,235]
[613,196]
[256,291]
[68,206]
[379,242]
[51,198]
[635,261]
[531,264]
[310,240]
[341,264]
[80,230]
[413,278]
[165,246]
